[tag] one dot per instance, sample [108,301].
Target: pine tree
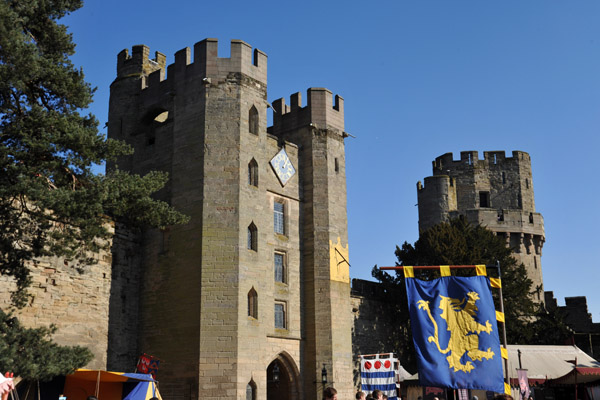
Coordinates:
[51,201]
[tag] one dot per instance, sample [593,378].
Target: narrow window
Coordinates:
[531,218]
[337,166]
[279,218]
[253,303]
[251,390]
[526,183]
[484,199]
[495,159]
[503,177]
[280,315]
[279,266]
[252,237]
[253,120]
[253,173]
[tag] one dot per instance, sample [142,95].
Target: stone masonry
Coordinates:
[207,294]
[495,192]
[72,297]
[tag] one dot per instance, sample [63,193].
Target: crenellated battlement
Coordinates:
[139,61]
[438,183]
[471,158]
[322,110]
[205,64]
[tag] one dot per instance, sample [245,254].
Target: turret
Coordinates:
[494,191]
[321,110]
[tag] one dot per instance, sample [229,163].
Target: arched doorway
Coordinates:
[282,379]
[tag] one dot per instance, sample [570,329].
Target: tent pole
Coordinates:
[503,325]
[98,384]
[575,378]
[28,388]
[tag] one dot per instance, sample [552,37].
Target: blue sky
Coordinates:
[420,78]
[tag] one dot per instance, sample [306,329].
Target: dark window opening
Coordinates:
[251,390]
[500,215]
[253,304]
[253,120]
[337,167]
[253,173]
[503,177]
[484,199]
[252,237]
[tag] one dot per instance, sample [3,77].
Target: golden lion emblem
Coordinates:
[463,330]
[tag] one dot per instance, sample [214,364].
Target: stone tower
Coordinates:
[495,192]
[240,301]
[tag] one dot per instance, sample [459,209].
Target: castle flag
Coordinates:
[455,333]
[376,373]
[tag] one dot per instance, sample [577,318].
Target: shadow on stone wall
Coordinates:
[379,325]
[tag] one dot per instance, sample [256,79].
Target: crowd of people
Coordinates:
[331,394]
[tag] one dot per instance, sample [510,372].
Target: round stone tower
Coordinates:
[495,192]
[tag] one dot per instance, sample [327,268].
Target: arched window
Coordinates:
[253,173]
[253,120]
[251,390]
[253,303]
[252,237]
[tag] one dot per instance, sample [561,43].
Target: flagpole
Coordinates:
[503,325]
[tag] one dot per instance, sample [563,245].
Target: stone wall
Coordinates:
[75,299]
[586,333]
[123,351]
[374,330]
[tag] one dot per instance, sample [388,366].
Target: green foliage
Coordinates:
[30,353]
[459,243]
[51,201]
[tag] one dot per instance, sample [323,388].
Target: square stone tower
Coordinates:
[250,299]
[495,192]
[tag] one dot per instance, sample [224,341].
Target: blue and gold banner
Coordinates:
[455,333]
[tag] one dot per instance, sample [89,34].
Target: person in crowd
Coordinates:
[377,394]
[361,395]
[330,394]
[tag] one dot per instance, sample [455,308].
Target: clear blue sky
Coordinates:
[420,78]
